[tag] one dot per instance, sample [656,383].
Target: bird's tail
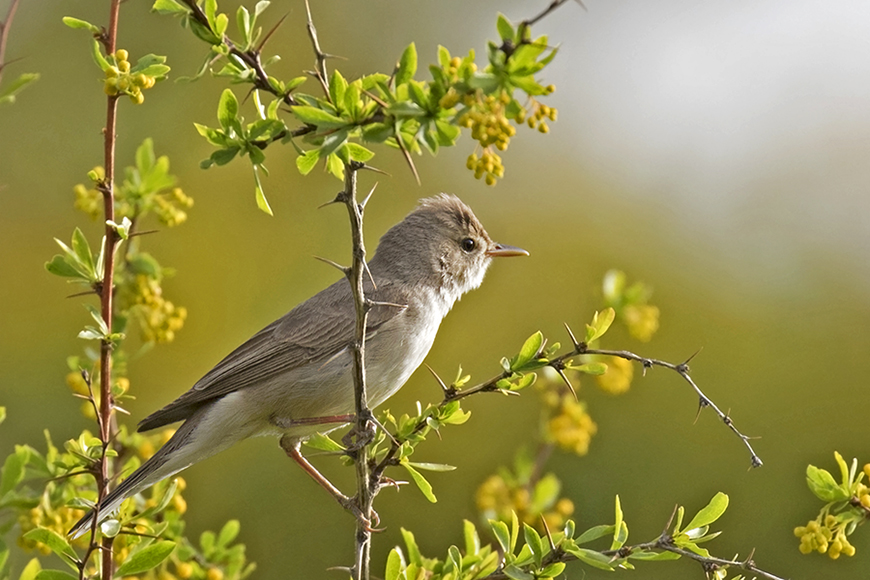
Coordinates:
[178,453]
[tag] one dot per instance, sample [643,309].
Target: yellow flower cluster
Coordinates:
[159,319]
[827,537]
[496,499]
[489,164]
[170,207]
[540,114]
[90,201]
[618,377]
[487,120]
[570,426]
[58,519]
[642,320]
[120,81]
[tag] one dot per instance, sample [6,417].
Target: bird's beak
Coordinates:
[503,251]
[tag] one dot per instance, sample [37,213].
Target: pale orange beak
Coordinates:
[503,251]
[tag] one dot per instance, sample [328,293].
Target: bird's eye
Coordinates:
[467,244]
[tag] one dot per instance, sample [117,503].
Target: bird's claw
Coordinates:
[350,504]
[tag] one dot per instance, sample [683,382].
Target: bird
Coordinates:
[294,378]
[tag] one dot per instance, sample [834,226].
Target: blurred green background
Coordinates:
[717,151]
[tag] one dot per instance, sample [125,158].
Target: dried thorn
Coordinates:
[567,382]
[549,536]
[375,98]
[335,56]
[573,338]
[390,482]
[440,382]
[363,203]
[389,435]
[688,360]
[392,304]
[375,170]
[80,396]
[506,392]
[121,410]
[346,569]
[583,6]
[271,32]
[701,405]
[408,158]
[343,269]
[369,272]
[670,521]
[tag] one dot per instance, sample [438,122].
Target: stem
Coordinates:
[107,420]
[4,33]
[363,425]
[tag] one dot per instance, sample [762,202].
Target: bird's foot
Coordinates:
[350,504]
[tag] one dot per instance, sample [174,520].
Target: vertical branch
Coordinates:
[4,33]
[107,419]
[362,427]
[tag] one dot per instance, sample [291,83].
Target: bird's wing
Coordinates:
[315,330]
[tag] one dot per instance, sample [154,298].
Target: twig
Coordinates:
[4,33]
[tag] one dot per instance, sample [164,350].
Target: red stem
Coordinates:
[107,423]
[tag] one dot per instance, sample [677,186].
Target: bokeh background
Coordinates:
[717,151]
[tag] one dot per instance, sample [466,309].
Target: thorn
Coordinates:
[688,360]
[375,170]
[364,202]
[344,270]
[408,159]
[272,31]
[549,536]
[437,378]
[375,98]
[369,272]
[389,435]
[323,205]
[670,520]
[567,382]
[392,304]
[573,338]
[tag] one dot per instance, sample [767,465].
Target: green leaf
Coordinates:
[413,550]
[594,533]
[7,95]
[55,575]
[528,352]
[59,266]
[305,163]
[228,111]
[337,87]
[13,470]
[146,559]
[502,535]
[618,539]
[591,557]
[220,24]
[472,540]
[505,30]
[432,466]
[407,65]
[710,513]
[653,556]
[82,249]
[317,117]
[31,570]
[592,368]
[601,321]
[323,443]
[358,152]
[2,418]
[533,541]
[515,573]
[97,54]
[169,7]
[421,482]
[77,23]
[552,570]
[823,485]
[228,533]
[262,203]
[53,540]
[394,565]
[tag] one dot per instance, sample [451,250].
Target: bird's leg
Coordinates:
[285,423]
[291,448]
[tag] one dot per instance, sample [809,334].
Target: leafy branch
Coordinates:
[8,94]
